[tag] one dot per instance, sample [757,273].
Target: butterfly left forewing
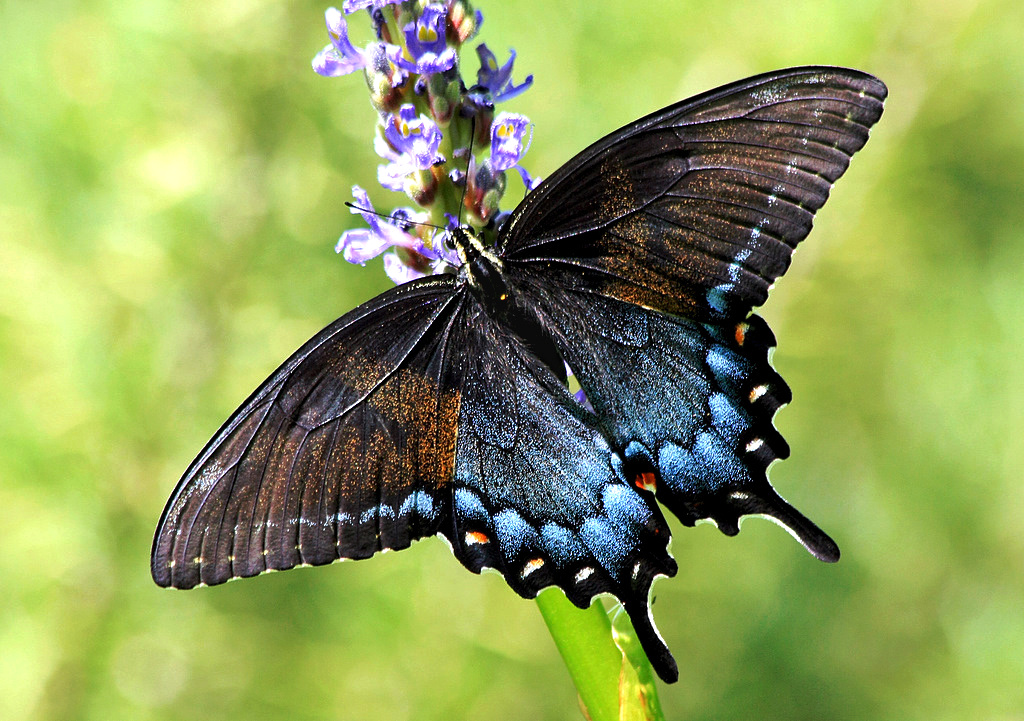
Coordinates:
[417,414]
[345,450]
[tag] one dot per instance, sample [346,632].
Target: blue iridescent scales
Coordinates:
[442,407]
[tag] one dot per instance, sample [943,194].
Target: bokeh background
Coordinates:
[171,181]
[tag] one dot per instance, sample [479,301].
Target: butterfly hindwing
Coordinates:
[538,494]
[691,404]
[645,254]
[343,451]
[697,208]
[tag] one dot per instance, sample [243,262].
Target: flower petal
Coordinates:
[335,22]
[417,139]
[426,43]
[431,63]
[427,35]
[362,203]
[360,245]
[392,176]
[351,6]
[528,181]
[490,75]
[384,149]
[330,64]
[507,147]
[498,80]
[398,271]
[340,57]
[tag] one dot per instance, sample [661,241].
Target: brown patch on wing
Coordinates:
[402,436]
[618,197]
[346,480]
[424,419]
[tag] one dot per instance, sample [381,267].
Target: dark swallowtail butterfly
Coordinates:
[441,406]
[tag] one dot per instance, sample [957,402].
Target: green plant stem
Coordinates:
[584,638]
[595,662]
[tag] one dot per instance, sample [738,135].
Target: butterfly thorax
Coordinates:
[482,270]
[485,275]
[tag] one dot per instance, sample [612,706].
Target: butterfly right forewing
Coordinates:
[696,209]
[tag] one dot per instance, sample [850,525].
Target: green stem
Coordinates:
[605,678]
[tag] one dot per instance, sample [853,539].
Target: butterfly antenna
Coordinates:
[391,217]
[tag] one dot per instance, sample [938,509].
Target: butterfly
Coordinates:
[442,407]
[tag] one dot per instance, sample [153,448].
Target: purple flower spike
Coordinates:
[340,57]
[507,132]
[351,6]
[426,42]
[498,80]
[414,138]
[362,244]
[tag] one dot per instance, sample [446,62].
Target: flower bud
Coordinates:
[442,95]
[385,80]
[485,193]
[421,186]
[463,22]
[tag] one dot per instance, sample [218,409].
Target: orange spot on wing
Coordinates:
[532,565]
[741,332]
[476,538]
[646,481]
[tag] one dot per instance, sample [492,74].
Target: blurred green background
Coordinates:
[171,180]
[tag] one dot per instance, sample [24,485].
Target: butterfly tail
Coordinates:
[769,504]
[650,639]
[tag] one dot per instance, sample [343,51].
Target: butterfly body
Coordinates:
[441,406]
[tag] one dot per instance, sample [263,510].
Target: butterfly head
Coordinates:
[481,269]
[470,247]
